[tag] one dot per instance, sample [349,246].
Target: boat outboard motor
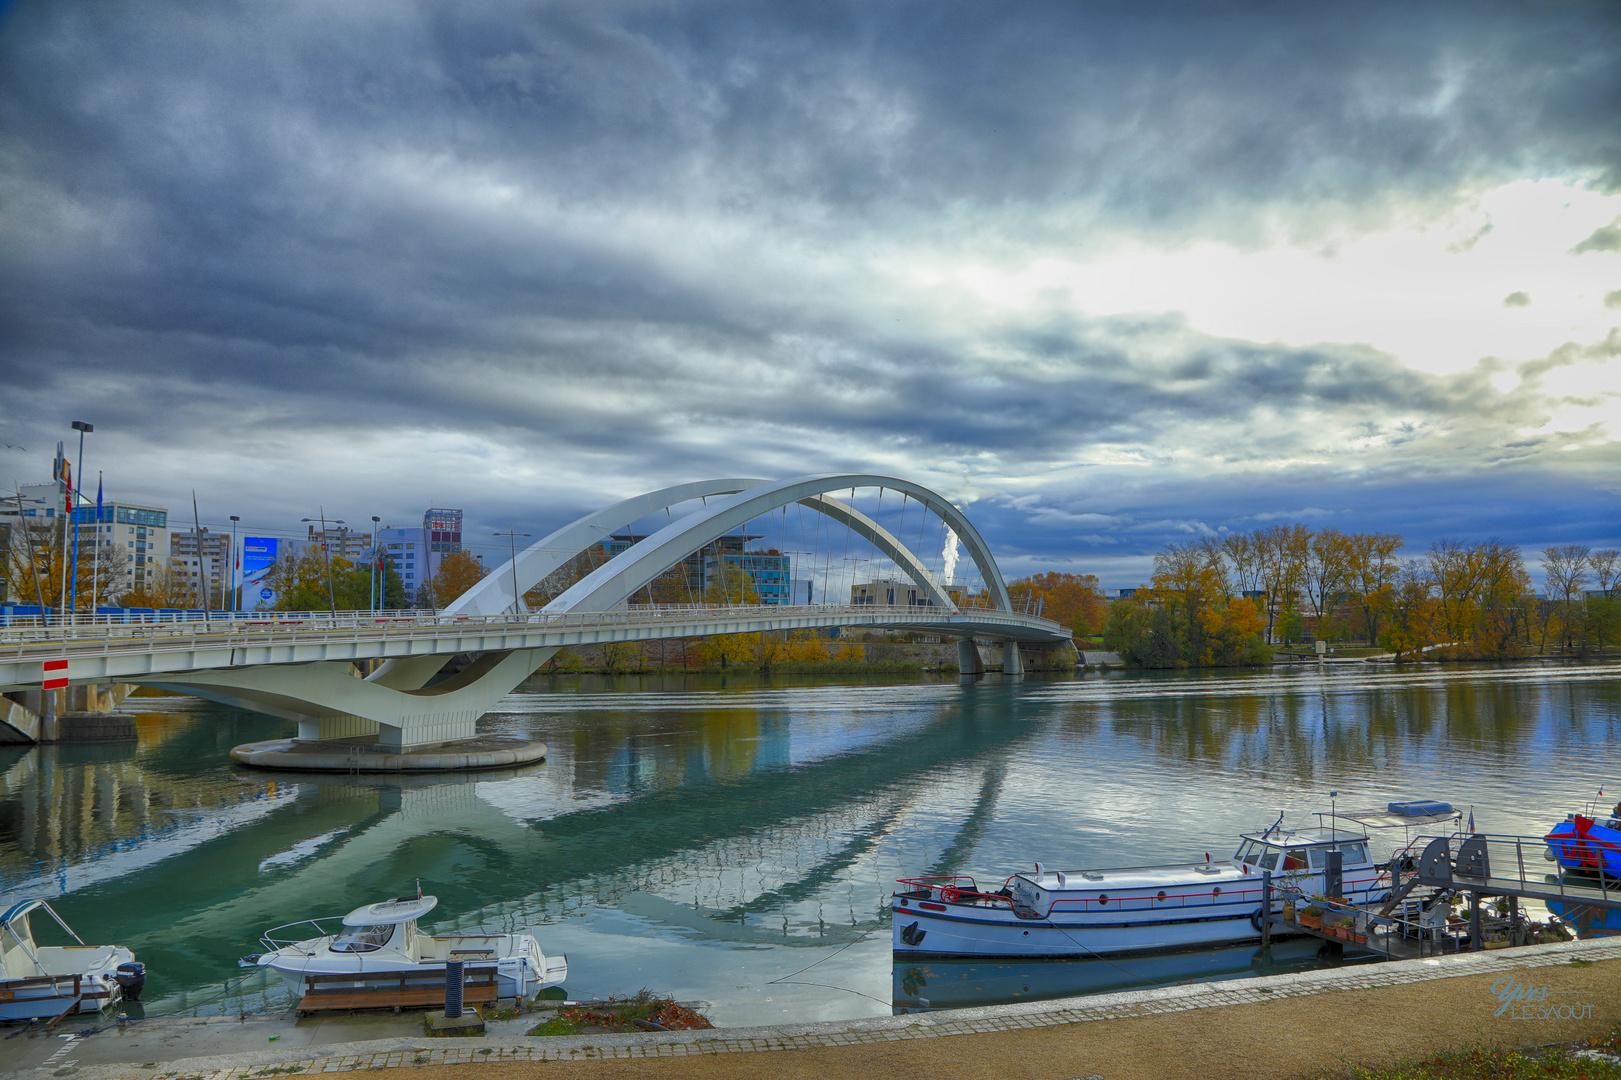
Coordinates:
[131,978]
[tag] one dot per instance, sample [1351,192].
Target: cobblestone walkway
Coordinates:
[884,1029]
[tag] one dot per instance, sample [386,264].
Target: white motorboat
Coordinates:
[41,981]
[380,942]
[1147,908]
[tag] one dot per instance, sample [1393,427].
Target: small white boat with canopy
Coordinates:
[1151,908]
[46,981]
[380,942]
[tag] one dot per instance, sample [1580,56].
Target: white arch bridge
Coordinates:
[303,669]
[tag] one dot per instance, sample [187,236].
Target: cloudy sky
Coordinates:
[1109,274]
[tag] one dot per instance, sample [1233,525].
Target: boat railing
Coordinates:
[273,943]
[952,888]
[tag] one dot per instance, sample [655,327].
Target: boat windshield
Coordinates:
[1354,854]
[363,938]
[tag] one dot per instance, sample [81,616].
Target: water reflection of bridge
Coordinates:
[772,855]
[75,813]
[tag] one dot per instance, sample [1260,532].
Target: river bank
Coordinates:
[1284,1026]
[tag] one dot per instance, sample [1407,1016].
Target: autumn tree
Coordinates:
[306,579]
[1408,611]
[1190,579]
[1073,600]
[1281,552]
[1328,557]
[1372,567]
[730,585]
[458,572]
[38,557]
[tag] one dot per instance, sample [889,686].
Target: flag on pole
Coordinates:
[1471,819]
[98,498]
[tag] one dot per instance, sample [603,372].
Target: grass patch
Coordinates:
[642,1012]
[1482,1063]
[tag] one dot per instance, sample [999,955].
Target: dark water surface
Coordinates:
[705,837]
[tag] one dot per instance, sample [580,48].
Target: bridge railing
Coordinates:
[103,633]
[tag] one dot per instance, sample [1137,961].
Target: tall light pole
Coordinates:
[331,602]
[73,510]
[375,558]
[512,545]
[236,599]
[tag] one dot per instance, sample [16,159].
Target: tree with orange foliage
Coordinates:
[458,572]
[1075,600]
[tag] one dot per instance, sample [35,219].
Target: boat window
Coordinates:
[1294,859]
[1319,858]
[1268,859]
[1246,851]
[1355,853]
[363,938]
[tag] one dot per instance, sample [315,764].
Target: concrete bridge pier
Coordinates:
[968,661]
[1012,662]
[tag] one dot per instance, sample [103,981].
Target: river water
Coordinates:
[734,840]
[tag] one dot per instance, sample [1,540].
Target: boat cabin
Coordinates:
[391,925]
[1302,851]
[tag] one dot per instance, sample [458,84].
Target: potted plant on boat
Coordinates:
[1345,929]
[1312,917]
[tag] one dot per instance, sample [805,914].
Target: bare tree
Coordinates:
[1565,569]
[1606,567]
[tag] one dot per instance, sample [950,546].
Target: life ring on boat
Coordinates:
[950,894]
[1255,920]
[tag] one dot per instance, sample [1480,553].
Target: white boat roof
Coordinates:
[1137,877]
[1302,837]
[404,909]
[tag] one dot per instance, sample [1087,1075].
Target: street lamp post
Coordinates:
[376,556]
[236,597]
[73,511]
[512,546]
[331,602]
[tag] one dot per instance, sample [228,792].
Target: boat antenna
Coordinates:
[1334,817]
[1274,825]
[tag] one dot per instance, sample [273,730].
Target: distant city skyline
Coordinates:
[1110,278]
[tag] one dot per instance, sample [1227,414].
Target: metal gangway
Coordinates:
[1480,865]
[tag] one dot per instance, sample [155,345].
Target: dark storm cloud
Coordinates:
[635,241]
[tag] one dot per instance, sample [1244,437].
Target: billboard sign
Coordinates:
[259,554]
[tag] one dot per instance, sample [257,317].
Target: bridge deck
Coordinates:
[110,650]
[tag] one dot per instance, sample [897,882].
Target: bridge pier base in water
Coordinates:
[968,661]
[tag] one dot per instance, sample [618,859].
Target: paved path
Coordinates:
[1279,1026]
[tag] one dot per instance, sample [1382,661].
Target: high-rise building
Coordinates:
[442,532]
[340,541]
[768,573]
[196,559]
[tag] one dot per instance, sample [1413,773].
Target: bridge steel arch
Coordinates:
[621,577]
[493,594]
